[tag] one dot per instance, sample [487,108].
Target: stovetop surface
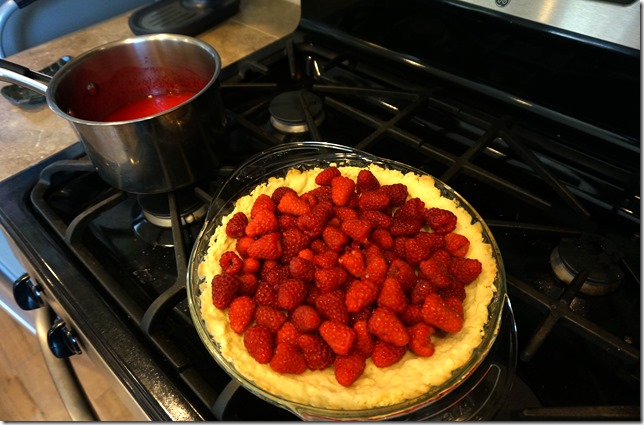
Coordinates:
[541,184]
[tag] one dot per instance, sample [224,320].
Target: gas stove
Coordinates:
[503,113]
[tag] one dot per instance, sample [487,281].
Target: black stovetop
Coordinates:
[543,181]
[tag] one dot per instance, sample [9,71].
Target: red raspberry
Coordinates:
[437,313]
[286,221]
[331,306]
[412,209]
[382,238]
[397,193]
[422,288]
[263,222]
[358,230]
[266,294]
[317,353]
[435,272]
[309,198]
[403,273]
[248,284]
[306,318]
[242,244]
[313,222]
[230,263]
[405,227]
[322,194]
[345,213]
[260,343]
[302,269]
[241,313]
[455,304]
[360,294]
[288,359]
[273,272]
[339,337]
[415,251]
[465,270]
[290,203]
[442,257]
[267,247]
[224,289]
[364,339]
[433,241]
[376,270]
[291,293]
[366,181]
[377,219]
[326,260]
[334,238]
[411,315]
[440,220]
[279,192]
[251,265]
[348,368]
[330,279]
[293,241]
[392,296]
[269,317]
[376,200]
[341,190]
[456,244]
[384,324]
[307,254]
[288,333]
[353,262]
[262,203]
[386,354]
[419,339]
[455,289]
[325,176]
[236,226]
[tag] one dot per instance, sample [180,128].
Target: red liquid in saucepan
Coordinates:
[147,106]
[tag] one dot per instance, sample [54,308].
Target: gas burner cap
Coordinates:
[593,253]
[288,114]
[156,210]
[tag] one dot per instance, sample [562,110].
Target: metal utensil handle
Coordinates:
[22,76]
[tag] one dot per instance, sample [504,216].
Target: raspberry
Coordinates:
[307,254]
[293,241]
[322,194]
[288,359]
[377,219]
[230,263]
[250,265]
[340,337]
[290,203]
[442,257]
[411,315]
[262,203]
[397,193]
[382,238]
[436,313]
[440,220]
[317,353]
[241,313]
[269,317]
[403,273]
[263,222]
[465,270]
[455,304]
[345,213]
[325,176]
[273,272]
[248,284]
[236,226]
[291,293]
[422,288]
[432,241]
[330,279]
[288,333]
[392,296]
[412,209]
[334,238]
[419,339]
[366,181]
[279,192]
[386,354]
[326,260]
[266,295]
[260,343]
[376,270]
[224,289]
[341,190]
[306,318]
[375,200]
[358,230]
[384,324]
[405,226]
[309,198]
[415,251]
[353,262]
[242,244]
[267,247]
[302,269]
[364,339]
[435,272]
[313,222]
[456,244]
[455,289]
[331,306]
[360,294]
[348,368]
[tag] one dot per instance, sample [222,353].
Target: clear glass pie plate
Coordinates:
[276,162]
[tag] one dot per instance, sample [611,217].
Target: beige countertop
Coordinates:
[30,135]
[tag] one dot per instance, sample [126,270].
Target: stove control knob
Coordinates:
[26,292]
[62,340]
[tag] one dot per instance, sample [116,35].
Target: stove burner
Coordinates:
[154,224]
[591,253]
[289,110]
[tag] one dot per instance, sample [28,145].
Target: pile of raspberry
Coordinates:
[348,271]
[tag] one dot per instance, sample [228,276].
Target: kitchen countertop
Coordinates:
[30,135]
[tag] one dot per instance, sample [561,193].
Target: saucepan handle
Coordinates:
[24,77]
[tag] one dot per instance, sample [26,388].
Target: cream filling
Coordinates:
[409,378]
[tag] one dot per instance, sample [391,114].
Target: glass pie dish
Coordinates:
[304,156]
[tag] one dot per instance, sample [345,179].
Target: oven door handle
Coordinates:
[69,388]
